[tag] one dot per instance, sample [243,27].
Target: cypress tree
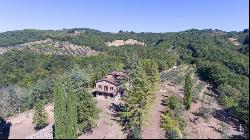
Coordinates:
[65,111]
[75,109]
[188,92]
[71,112]
[60,111]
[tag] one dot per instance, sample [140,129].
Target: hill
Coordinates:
[28,71]
[49,46]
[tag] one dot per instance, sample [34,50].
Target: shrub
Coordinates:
[205,112]
[173,102]
[40,117]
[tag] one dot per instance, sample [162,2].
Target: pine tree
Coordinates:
[40,117]
[135,101]
[87,112]
[188,92]
[151,68]
[141,85]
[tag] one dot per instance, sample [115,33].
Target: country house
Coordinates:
[109,87]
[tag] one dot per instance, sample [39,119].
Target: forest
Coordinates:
[27,77]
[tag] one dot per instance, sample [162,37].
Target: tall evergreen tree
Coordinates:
[151,68]
[71,111]
[75,109]
[188,91]
[135,101]
[60,111]
[87,112]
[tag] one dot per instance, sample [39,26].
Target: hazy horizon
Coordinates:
[121,29]
[127,15]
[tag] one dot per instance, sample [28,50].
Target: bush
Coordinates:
[205,112]
[40,116]
[172,119]
[169,124]
[228,101]
[172,134]
[173,102]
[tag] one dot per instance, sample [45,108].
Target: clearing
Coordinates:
[107,126]
[153,130]
[217,125]
[21,124]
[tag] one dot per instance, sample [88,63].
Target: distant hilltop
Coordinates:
[126,42]
[48,46]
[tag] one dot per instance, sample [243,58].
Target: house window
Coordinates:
[111,88]
[100,87]
[105,88]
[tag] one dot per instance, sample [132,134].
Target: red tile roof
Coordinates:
[113,77]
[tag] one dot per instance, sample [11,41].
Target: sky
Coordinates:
[126,15]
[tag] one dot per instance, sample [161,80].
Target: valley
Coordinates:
[107,128]
[189,84]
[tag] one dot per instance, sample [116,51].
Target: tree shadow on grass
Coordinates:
[53,131]
[37,128]
[115,108]
[237,137]
[4,129]
[163,101]
[225,116]
[214,93]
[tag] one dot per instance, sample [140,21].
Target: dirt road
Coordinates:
[22,124]
[107,128]
[153,129]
